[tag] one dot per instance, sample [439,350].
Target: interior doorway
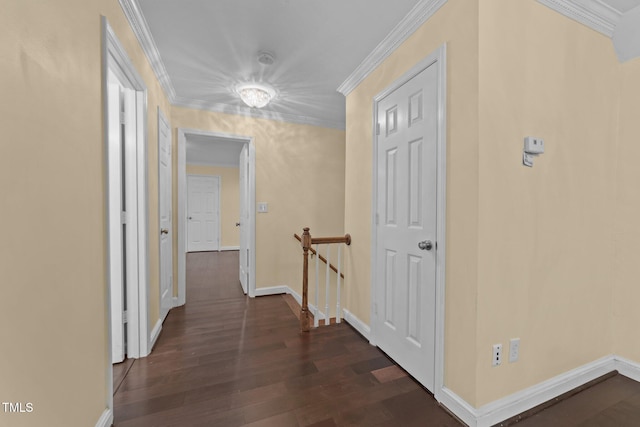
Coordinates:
[221,150]
[125,139]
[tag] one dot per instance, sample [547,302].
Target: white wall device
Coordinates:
[532,147]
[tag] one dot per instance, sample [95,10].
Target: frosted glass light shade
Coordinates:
[255,96]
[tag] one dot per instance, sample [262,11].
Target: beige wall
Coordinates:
[545,264]
[530,250]
[229,200]
[299,173]
[53,256]
[626,228]
[456,23]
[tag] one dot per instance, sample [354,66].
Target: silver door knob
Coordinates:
[425,245]
[164,231]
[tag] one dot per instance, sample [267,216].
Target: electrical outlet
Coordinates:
[514,350]
[496,356]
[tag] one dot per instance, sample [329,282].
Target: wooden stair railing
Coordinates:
[307,241]
[323,259]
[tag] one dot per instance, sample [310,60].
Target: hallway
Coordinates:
[224,359]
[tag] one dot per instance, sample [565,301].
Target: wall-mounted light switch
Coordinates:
[263,207]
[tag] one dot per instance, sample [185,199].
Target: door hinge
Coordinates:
[124,217]
[123,118]
[375,308]
[125,317]
[377,218]
[377,128]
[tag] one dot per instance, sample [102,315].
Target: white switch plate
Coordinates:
[263,207]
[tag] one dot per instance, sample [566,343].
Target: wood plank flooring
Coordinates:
[227,360]
[224,359]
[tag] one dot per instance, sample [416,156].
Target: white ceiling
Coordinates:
[212,150]
[209,46]
[201,49]
[622,6]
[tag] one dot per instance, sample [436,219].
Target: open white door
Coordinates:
[244,218]
[116,242]
[166,224]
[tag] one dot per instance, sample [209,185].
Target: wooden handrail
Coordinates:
[307,241]
[323,259]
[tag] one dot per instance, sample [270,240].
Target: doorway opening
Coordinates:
[214,153]
[125,142]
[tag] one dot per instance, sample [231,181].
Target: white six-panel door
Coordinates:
[203,213]
[405,296]
[166,224]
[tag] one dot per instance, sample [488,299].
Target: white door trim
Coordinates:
[182,207]
[115,58]
[219,213]
[437,58]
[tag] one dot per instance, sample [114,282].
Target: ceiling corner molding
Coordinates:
[420,14]
[592,13]
[138,24]
[255,113]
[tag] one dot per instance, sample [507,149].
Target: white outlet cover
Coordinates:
[263,207]
[514,350]
[496,355]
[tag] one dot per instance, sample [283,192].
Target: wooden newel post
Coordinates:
[304,311]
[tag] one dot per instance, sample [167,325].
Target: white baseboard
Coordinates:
[628,368]
[312,308]
[273,290]
[362,328]
[229,248]
[106,419]
[521,401]
[155,333]
[175,302]
[277,290]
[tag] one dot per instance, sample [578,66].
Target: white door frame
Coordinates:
[182,207]
[438,59]
[115,58]
[219,213]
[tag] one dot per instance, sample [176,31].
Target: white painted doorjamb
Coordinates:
[182,206]
[115,58]
[439,59]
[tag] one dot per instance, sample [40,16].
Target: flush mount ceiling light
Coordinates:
[255,95]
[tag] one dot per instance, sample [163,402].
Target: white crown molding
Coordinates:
[256,113]
[420,13]
[592,13]
[140,28]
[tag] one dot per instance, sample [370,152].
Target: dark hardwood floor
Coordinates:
[227,360]
[224,359]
